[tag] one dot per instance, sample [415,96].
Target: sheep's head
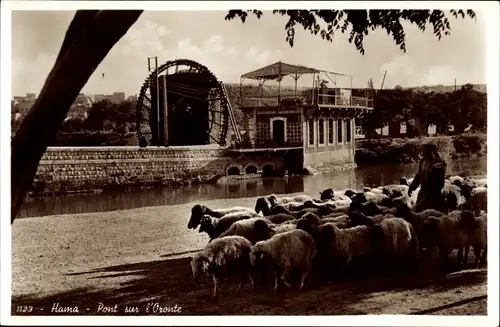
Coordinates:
[457,183]
[355,206]
[366,189]
[451,200]
[403,211]
[359,197]
[350,193]
[386,202]
[324,236]
[257,254]
[326,194]
[263,205]
[358,218]
[263,230]
[273,199]
[386,191]
[403,181]
[466,190]
[206,224]
[305,225]
[312,218]
[396,194]
[199,265]
[308,204]
[197,213]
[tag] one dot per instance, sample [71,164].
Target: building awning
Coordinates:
[278,69]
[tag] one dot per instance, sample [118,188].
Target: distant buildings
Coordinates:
[115,97]
[118,96]
[21,105]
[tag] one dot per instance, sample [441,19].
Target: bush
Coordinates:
[468,144]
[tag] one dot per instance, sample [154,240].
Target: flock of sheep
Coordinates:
[341,230]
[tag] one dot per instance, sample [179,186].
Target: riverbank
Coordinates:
[384,150]
[124,258]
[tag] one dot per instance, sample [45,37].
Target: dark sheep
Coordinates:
[327,194]
[198,211]
[350,193]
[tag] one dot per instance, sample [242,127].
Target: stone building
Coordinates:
[318,120]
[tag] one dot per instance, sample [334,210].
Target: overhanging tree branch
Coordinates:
[359,22]
[89,38]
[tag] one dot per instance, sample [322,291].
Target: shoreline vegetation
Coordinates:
[399,150]
[374,151]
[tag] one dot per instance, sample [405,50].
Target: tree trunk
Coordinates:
[89,38]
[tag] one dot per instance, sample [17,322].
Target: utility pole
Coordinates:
[156,104]
[455,84]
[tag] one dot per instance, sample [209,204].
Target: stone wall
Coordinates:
[75,170]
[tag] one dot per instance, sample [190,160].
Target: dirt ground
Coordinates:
[118,260]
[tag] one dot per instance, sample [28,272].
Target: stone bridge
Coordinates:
[85,169]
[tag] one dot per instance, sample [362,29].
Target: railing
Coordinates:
[339,100]
[305,99]
[273,100]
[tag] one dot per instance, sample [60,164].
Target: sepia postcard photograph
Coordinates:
[249,163]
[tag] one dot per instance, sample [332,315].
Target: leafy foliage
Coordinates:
[358,23]
[459,108]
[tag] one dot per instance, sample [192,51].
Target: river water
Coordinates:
[372,176]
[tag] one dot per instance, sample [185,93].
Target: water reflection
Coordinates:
[374,175]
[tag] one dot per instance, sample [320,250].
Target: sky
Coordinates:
[231,48]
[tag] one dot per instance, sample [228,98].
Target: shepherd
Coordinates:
[430,177]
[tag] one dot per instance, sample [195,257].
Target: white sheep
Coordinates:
[199,210]
[283,252]
[375,197]
[224,255]
[253,229]
[274,200]
[340,201]
[346,244]
[284,227]
[478,182]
